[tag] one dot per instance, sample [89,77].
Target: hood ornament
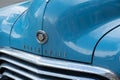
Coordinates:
[42,37]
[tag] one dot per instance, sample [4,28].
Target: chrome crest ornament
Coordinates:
[42,37]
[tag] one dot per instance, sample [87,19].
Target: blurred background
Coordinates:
[4,3]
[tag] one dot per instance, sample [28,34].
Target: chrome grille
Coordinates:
[21,65]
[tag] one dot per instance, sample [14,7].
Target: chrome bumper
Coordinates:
[25,64]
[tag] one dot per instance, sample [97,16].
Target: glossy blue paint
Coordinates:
[23,34]
[75,26]
[8,16]
[107,53]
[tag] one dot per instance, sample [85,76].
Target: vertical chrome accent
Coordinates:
[65,54]
[38,50]
[45,52]
[31,48]
[50,53]
[24,46]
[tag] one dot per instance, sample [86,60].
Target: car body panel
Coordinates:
[73,36]
[77,31]
[75,26]
[26,28]
[107,53]
[8,16]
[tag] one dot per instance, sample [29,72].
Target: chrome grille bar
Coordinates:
[54,63]
[16,70]
[35,70]
[11,75]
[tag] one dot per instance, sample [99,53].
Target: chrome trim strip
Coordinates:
[19,71]
[62,64]
[12,76]
[35,70]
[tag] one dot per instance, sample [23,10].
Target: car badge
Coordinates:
[42,37]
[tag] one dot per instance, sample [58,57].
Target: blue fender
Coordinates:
[107,51]
[8,16]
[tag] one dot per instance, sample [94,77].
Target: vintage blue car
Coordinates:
[60,40]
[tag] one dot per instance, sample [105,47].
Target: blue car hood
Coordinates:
[73,27]
[8,16]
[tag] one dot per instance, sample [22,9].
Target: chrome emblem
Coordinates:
[42,37]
